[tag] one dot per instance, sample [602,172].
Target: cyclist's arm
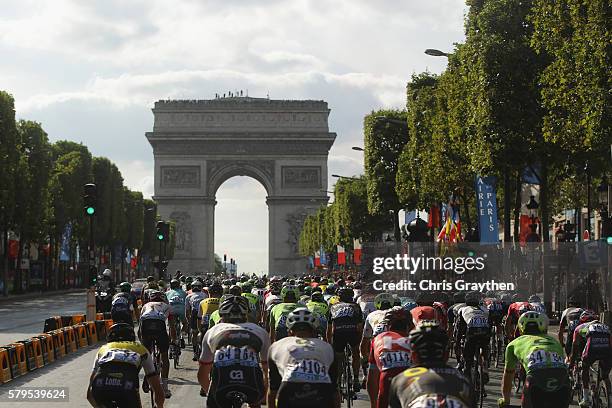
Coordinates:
[90,397]
[373,379]
[561,331]
[509,369]
[275,382]
[206,361]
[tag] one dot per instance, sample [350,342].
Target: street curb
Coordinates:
[29,295]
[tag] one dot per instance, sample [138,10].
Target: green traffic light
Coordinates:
[609,240]
[160,237]
[471,253]
[90,210]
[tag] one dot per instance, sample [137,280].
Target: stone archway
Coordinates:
[197,145]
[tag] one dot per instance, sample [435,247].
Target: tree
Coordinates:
[218,265]
[385,136]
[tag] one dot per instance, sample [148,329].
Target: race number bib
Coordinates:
[544,359]
[346,311]
[308,370]
[437,401]
[478,322]
[120,355]
[598,328]
[394,359]
[229,355]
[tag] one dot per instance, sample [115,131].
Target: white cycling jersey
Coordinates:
[155,310]
[302,360]
[221,341]
[371,322]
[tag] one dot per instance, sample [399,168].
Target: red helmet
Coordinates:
[587,316]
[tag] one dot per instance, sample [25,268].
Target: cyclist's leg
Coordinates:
[468,353]
[605,365]
[587,398]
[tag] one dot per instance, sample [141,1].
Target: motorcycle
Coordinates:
[104,299]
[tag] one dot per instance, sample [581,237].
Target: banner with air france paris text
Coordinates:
[486,202]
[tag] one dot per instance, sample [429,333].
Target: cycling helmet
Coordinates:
[357,285]
[506,298]
[247,287]
[175,284]
[150,279]
[587,316]
[533,323]
[397,318]
[276,279]
[428,343]
[196,285]
[472,298]
[235,290]
[534,299]
[108,273]
[330,289]
[307,291]
[234,309]
[244,278]
[346,294]
[121,332]
[384,301]
[161,283]
[301,317]
[459,297]
[125,287]
[188,279]
[317,297]
[408,306]
[574,301]
[153,286]
[215,290]
[290,293]
[516,297]
[424,299]
[324,281]
[157,296]
[317,289]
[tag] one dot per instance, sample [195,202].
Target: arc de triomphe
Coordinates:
[199,144]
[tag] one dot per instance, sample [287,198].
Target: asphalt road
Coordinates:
[24,318]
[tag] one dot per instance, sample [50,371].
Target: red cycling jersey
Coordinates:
[390,353]
[516,309]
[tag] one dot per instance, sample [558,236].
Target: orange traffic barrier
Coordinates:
[29,352]
[38,353]
[46,342]
[70,339]
[99,316]
[59,343]
[13,360]
[108,323]
[5,366]
[80,318]
[67,321]
[81,335]
[92,331]
[20,360]
[53,323]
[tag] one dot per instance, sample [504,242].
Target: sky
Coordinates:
[90,71]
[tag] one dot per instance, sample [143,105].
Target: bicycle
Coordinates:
[476,378]
[175,349]
[598,387]
[346,378]
[576,382]
[237,398]
[157,364]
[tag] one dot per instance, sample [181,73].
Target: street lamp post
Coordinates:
[603,193]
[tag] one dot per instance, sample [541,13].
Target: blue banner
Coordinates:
[65,245]
[322,256]
[410,216]
[486,202]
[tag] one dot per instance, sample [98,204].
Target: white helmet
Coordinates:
[301,315]
[107,272]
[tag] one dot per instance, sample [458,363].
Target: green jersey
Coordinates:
[320,308]
[215,318]
[535,352]
[278,318]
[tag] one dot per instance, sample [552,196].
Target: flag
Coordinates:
[13,248]
[323,257]
[65,245]
[357,251]
[317,258]
[341,255]
[434,217]
[134,262]
[311,264]
[524,230]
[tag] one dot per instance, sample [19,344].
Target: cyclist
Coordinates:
[302,367]
[541,355]
[254,303]
[192,305]
[516,309]
[124,305]
[592,343]
[474,324]
[382,302]
[424,309]
[345,328]
[569,321]
[114,378]
[176,297]
[208,306]
[430,382]
[232,352]
[278,314]
[389,355]
[153,328]
[536,304]
[320,308]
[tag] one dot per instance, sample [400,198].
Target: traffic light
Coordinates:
[93,275]
[90,199]
[162,231]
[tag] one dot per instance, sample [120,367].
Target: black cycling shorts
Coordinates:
[225,380]
[604,358]
[154,329]
[116,386]
[547,388]
[342,338]
[473,343]
[305,395]
[122,316]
